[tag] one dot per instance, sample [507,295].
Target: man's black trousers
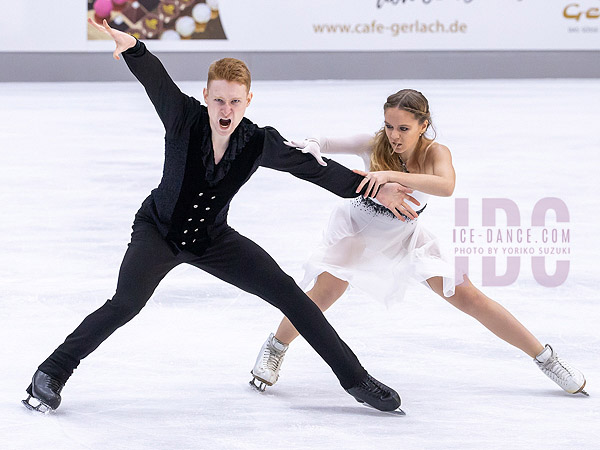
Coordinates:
[230,257]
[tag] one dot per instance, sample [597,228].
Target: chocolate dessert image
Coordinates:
[151,19]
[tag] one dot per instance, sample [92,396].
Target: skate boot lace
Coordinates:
[272,359]
[54,385]
[558,370]
[375,387]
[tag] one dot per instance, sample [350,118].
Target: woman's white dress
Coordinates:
[378,254]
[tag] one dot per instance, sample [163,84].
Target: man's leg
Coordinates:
[239,261]
[146,262]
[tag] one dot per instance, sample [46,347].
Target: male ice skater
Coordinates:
[210,152]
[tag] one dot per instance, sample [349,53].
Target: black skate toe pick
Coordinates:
[375,394]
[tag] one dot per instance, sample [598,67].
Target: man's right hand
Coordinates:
[123,41]
[395,197]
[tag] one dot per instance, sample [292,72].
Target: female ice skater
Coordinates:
[210,152]
[367,247]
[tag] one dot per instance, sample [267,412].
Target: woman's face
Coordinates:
[402,130]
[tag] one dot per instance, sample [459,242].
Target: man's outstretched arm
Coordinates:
[170,103]
[334,177]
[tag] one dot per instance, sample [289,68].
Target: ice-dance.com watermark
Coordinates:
[502,241]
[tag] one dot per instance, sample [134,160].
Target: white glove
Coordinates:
[310,145]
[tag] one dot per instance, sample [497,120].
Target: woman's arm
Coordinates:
[334,177]
[359,145]
[441,182]
[353,145]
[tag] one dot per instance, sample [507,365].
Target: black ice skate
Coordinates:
[44,393]
[376,394]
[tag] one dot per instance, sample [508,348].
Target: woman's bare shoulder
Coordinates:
[437,150]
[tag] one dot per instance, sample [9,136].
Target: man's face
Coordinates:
[226,102]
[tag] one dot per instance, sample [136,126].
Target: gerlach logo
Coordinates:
[578,12]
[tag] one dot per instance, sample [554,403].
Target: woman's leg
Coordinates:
[325,292]
[239,261]
[491,314]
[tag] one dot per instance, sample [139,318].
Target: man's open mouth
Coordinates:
[224,123]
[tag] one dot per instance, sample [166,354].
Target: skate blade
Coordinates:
[261,386]
[39,407]
[395,412]
[581,391]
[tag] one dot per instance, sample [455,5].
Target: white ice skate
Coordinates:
[559,371]
[268,363]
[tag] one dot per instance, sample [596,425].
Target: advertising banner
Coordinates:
[307,25]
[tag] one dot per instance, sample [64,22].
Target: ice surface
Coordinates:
[76,161]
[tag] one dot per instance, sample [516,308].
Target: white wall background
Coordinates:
[502,39]
[335,25]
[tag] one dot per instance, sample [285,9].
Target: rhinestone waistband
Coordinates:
[377,209]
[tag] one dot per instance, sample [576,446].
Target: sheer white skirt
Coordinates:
[378,254]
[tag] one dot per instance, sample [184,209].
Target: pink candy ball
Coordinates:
[103,8]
